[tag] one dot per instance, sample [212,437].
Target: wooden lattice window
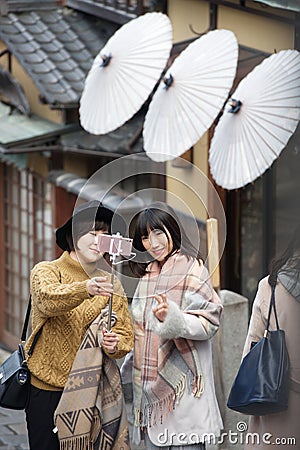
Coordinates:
[27,239]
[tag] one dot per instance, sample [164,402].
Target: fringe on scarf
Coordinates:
[150,414]
[77,443]
[95,429]
[179,389]
[198,386]
[85,442]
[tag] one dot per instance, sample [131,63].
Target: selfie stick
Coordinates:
[114,253]
[111,298]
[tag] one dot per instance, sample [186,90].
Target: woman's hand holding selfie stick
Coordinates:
[110,340]
[99,286]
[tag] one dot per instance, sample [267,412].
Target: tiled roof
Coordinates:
[12,92]
[56,47]
[18,130]
[125,140]
[292,5]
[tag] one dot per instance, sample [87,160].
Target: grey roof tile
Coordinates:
[52,46]
[18,38]
[60,55]
[29,19]
[59,27]
[27,47]
[74,75]
[43,68]
[56,47]
[34,58]
[51,78]
[76,84]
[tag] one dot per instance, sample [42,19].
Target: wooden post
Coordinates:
[214,271]
[213,252]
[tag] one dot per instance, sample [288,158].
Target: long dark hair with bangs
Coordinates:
[290,258]
[159,216]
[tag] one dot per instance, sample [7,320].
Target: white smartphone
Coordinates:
[114,244]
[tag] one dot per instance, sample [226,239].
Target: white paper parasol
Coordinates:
[191,95]
[251,135]
[125,72]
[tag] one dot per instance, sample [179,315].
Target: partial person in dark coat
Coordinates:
[281,429]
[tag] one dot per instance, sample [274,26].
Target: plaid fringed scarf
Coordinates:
[91,413]
[164,368]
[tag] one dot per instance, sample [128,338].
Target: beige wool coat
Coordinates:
[281,430]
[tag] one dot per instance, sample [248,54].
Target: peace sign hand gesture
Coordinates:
[161,310]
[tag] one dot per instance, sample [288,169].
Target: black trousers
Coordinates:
[39,418]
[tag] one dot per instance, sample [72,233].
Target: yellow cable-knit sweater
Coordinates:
[62,306]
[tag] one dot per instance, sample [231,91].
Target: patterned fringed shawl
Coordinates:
[164,368]
[91,413]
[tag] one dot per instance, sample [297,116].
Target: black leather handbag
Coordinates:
[15,375]
[261,385]
[15,381]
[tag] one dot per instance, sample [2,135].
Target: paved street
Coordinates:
[13,433]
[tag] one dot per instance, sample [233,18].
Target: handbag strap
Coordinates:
[272,306]
[26,320]
[25,327]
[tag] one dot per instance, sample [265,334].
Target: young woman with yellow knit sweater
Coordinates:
[68,294]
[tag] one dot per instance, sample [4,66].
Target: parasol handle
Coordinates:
[213,252]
